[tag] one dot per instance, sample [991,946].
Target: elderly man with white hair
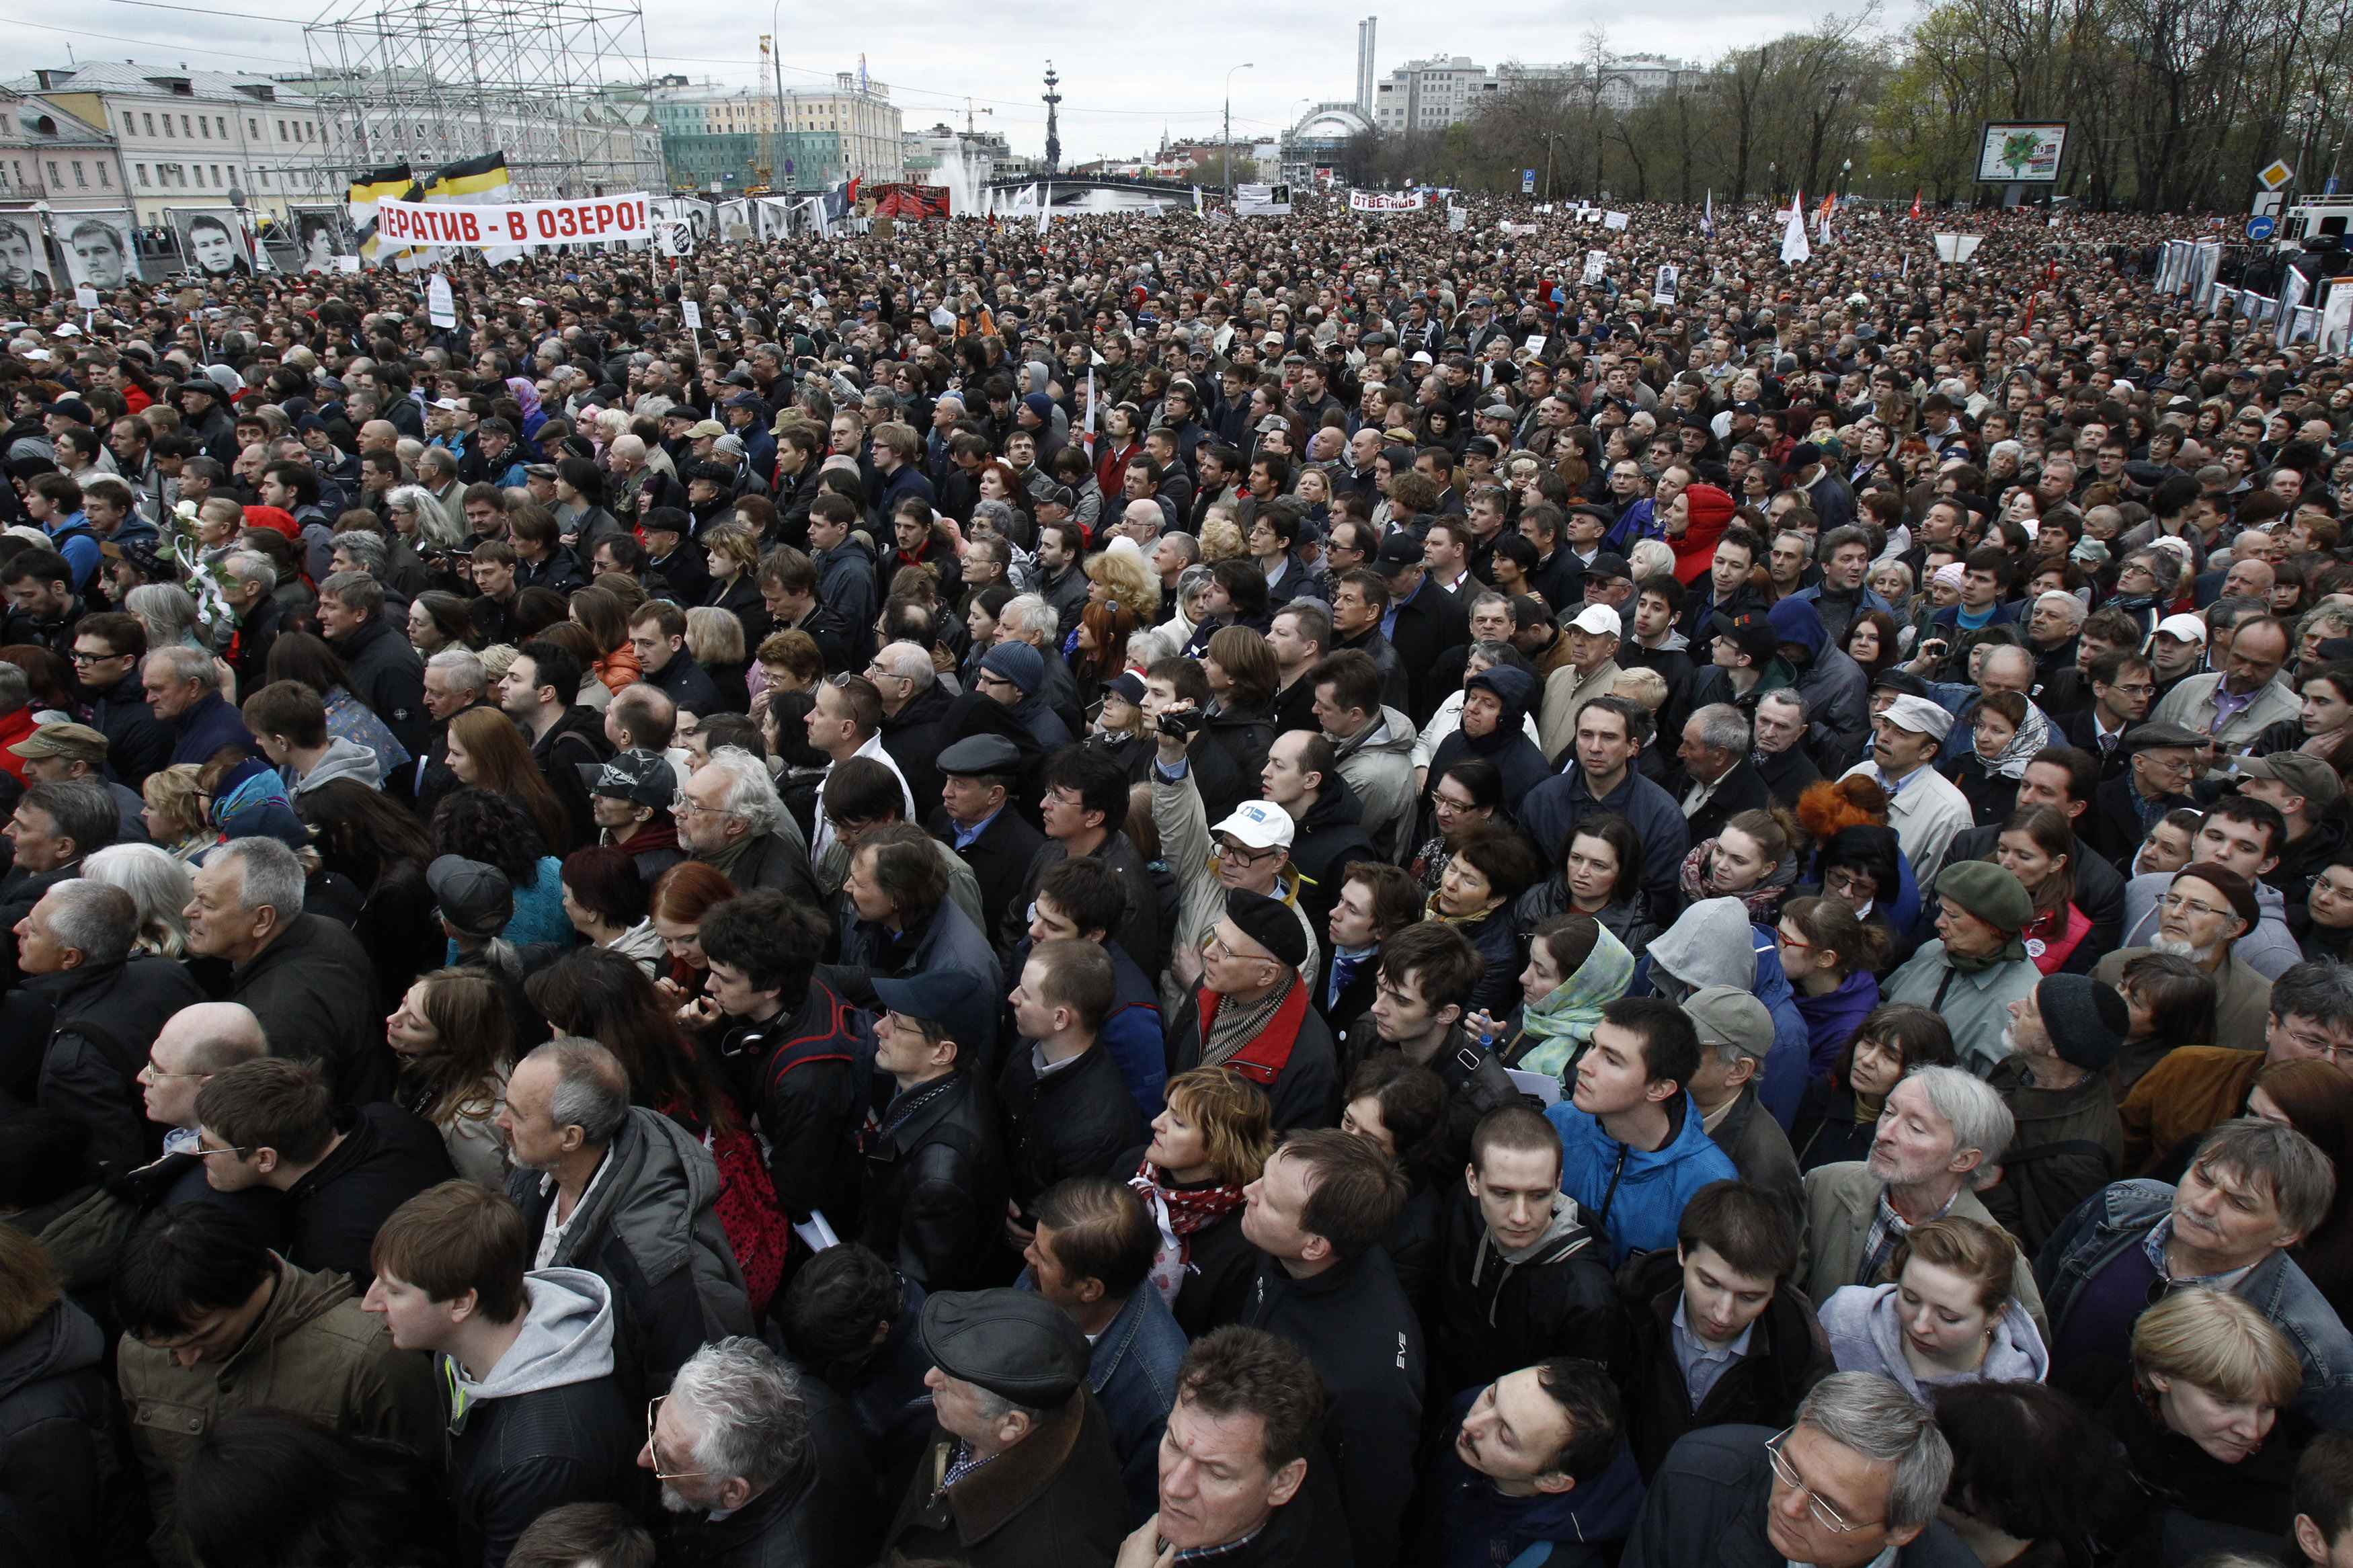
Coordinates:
[1940,1138]
[730,817]
[736,1461]
[305,976]
[1925,808]
[2052,623]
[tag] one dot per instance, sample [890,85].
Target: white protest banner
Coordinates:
[484,227]
[1613,220]
[1957,247]
[440,304]
[1663,290]
[85,297]
[1262,201]
[691,311]
[1456,218]
[1597,263]
[1535,345]
[1383,201]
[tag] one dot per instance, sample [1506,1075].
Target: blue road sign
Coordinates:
[2261,225]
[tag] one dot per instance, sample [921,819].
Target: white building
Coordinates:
[1429,95]
[187,138]
[1432,94]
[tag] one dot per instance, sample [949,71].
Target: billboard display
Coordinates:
[2016,152]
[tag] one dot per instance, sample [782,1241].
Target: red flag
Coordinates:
[851,195]
[1915,204]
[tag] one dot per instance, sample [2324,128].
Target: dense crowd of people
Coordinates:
[1304,891]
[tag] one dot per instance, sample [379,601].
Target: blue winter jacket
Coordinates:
[1634,1196]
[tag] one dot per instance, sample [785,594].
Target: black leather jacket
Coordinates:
[934,1187]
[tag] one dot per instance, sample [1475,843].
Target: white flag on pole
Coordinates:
[2293,289]
[1045,207]
[1794,248]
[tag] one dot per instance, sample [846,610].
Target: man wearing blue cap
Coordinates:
[1019,1471]
[935,1174]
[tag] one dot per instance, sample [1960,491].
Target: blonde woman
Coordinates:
[175,814]
[1120,575]
[714,637]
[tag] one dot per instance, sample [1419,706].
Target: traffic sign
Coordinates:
[2280,173]
[2260,226]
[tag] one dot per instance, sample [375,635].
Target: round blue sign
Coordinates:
[2261,225]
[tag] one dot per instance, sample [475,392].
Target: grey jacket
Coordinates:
[1866,1333]
[2270,950]
[650,1225]
[1377,762]
[344,760]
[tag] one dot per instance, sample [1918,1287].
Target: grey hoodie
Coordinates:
[1865,1336]
[567,1338]
[344,760]
[1708,945]
[1545,1249]
[1377,762]
[2270,950]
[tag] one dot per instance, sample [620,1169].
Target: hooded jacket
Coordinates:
[384,673]
[1635,1195]
[313,1352]
[342,760]
[59,1465]
[650,1225]
[1478,1526]
[1709,509]
[1836,690]
[1499,1310]
[1864,1323]
[1520,761]
[1377,762]
[2068,1145]
[549,1424]
[1703,948]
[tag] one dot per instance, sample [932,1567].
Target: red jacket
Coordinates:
[14,726]
[1709,510]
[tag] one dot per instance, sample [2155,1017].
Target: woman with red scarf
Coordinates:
[1211,1140]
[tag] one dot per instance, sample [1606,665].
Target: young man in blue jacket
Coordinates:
[1632,1148]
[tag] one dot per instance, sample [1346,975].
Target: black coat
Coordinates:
[823,1513]
[1360,1331]
[1244,734]
[1073,1121]
[1324,844]
[1426,625]
[384,673]
[1000,858]
[387,1156]
[803,1074]
[1788,774]
[935,1188]
[137,743]
[105,1018]
[911,737]
[313,989]
[1788,1354]
[1305,1093]
[59,1465]
[687,683]
[1495,1316]
[519,1457]
[1742,789]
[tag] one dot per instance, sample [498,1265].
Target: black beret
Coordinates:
[1269,922]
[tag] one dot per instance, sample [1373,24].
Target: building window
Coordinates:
[105,178]
[141,170]
[187,130]
[56,179]
[81,176]
[167,127]
[205,126]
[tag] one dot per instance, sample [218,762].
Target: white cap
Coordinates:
[449,405]
[2182,628]
[1918,715]
[1598,620]
[1261,824]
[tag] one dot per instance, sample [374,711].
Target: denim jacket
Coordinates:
[2122,1215]
[1133,1375]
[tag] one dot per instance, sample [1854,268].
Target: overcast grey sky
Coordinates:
[1119,86]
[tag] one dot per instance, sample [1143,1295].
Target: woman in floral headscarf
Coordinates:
[1576,968]
[533,416]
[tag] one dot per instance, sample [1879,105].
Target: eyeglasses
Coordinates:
[1828,1518]
[2320,1046]
[652,1406]
[80,657]
[2187,905]
[204,1153]
[1788,941]
[1213,946]
[150,1073]
[1244,857]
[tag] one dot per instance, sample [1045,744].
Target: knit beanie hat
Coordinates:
[1989,892]
[2087,1020]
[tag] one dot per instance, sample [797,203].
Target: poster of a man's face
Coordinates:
[99,250]
[24,259]
[214,244]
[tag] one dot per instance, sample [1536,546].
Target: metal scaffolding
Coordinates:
[557,84]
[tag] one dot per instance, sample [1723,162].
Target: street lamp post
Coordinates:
[1550,138]
[1228,149]
[1846,177]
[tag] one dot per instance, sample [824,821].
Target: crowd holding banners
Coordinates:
[1309,890]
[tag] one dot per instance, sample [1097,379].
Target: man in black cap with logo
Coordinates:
[628,795]
[1019,1471]
[976,817]
[1251,1012]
